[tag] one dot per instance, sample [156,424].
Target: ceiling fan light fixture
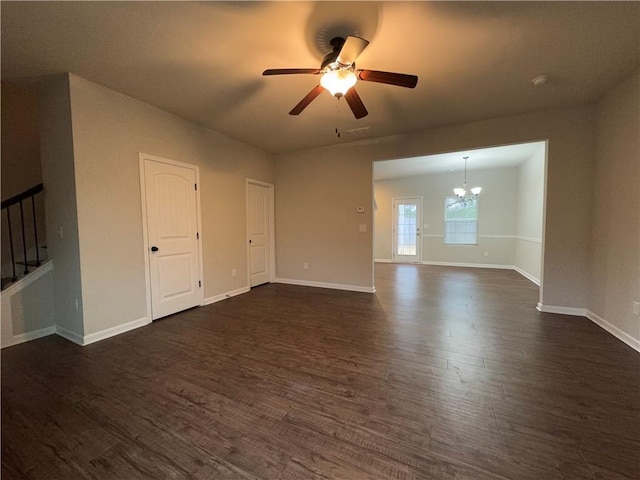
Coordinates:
[338,82]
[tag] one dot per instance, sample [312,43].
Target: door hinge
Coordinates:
[195,185]
[199,284]
[197,235]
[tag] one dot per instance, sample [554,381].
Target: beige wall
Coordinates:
[615,233]
[21,167]
[58,173]
[109,131]
[497,215]
[317,196]
[530,214]
[570,162]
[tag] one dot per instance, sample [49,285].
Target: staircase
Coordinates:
[23,248]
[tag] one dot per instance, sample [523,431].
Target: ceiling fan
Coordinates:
[339,75]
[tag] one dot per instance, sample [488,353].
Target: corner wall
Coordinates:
[614,253]
[58,174]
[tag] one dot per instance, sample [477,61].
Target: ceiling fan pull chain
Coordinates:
[338,116]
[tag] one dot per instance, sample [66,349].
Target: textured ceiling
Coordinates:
[203,60]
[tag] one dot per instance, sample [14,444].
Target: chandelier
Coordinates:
[466,197]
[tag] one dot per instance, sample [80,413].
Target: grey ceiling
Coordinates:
[203,60]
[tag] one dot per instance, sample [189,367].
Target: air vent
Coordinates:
[359,132]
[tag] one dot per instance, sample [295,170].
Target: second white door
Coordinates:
[407,217]
[259,232]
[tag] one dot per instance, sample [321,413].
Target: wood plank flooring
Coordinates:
[445,373]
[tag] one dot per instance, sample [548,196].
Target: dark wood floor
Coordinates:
[444,373]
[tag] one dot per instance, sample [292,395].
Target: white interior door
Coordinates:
[173,238]
[407,218]
[259,232]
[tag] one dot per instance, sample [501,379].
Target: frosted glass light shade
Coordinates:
[476,190]
[459,192]
[338,82]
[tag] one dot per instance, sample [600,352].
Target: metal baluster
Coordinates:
[14,277]
[24,240]
[35,229]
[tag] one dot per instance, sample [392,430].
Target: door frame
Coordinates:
[272,227]
[145,233]
[394,225]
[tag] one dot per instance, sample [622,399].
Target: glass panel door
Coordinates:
[407,217]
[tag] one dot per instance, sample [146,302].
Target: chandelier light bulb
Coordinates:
[338,82]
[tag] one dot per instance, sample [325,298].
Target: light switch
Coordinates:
[363,227]
[360,210]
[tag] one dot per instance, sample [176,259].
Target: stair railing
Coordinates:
[6,205]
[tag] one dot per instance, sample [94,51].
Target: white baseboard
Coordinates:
[468,265]
[527,275]
[69,335]
[615,331]
[334,286]
[33,335]
[117,330]
[576,312]
[383,260]
[224,296]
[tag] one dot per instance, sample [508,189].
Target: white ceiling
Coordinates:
[203,60]
[480,159]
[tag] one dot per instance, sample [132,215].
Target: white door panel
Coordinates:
[258,224]
[172,231]
[407,218]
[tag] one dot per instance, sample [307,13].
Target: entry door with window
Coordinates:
[170,197]
[407,218]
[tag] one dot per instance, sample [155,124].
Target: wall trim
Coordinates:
[383,260]
[613,330]
[69,335]
[527,275]
[470,265]
[30,278]
[576,312]
[224,296]
[113,331]
[28,336]
[334,286]
[528,239]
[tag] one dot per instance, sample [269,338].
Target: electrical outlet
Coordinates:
[636,308]
[305,265]
[234,272]
[486,254]
[362,227]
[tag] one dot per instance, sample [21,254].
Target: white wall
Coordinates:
[109,131]
[570,162]
[530,215]
[28,308]
[614,253]
[59,178]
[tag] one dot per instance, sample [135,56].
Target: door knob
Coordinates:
[154,249]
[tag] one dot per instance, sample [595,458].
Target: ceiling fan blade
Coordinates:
[351,49]
[355,103]
[291,71]
[306,100]
[390,78]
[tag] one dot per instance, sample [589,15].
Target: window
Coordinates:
[460,221]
